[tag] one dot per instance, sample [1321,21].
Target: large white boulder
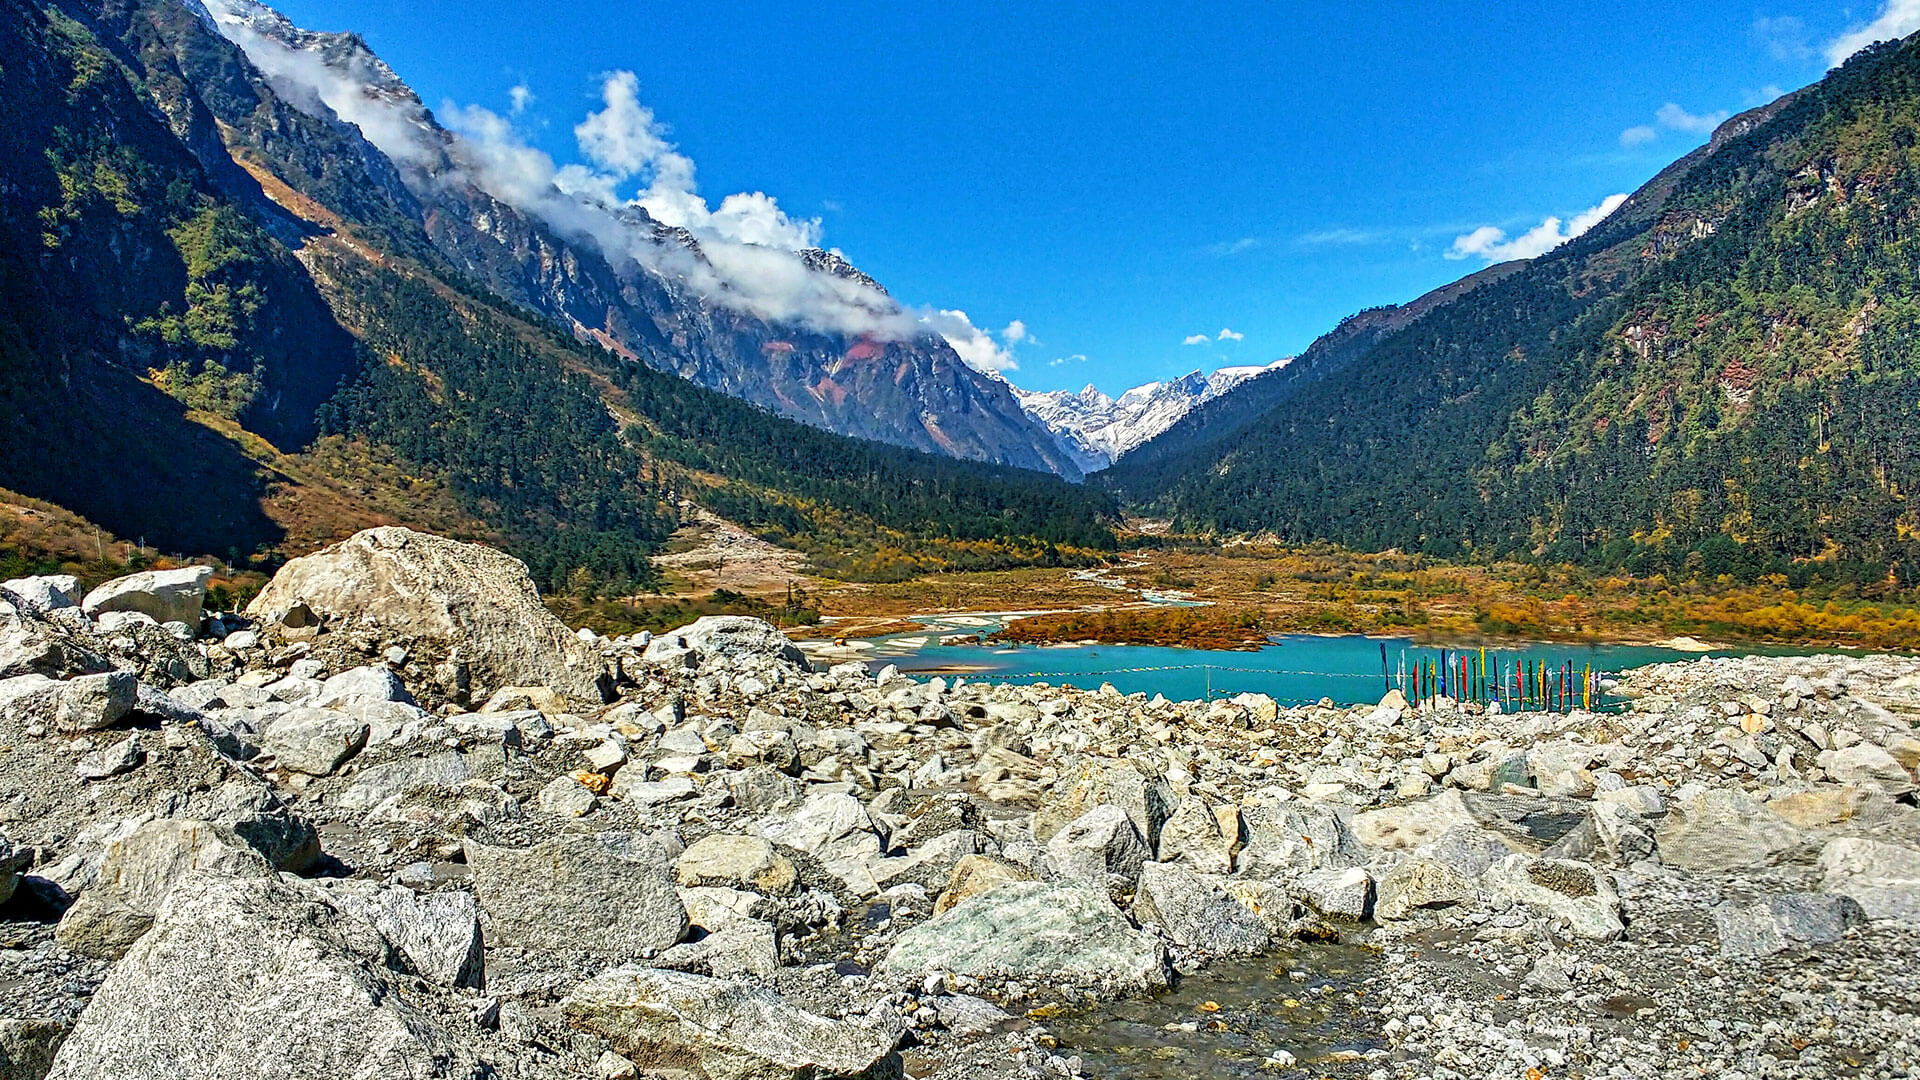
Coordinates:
[41,594]
[443,599]
[162,595]
[726,640]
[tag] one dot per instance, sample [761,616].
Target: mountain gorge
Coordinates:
[1098,430]
[234,324]
[1718,379]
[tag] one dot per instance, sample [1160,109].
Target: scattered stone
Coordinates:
[1562,889]
[739,862]
[1097,846]
[1192,836]
[369,685]
[92,702]
[567,796]
[123,756]
[437,933]
[1034,928]
[1197,913]
[1870,765]
[42,594]
[1336,893]
[1147,801]
[1418,883]
[1722,829]
[574,893]
[1779,923]
[13,860]
[314,741]
[27,1046]
[1883,878]
[973,875]
[726,1030]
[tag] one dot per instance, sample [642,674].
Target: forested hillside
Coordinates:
[1215,422]
[200,282]
[1722,379]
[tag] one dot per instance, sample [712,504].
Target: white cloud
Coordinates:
[625,140]
[976,346]
[521,96]
[1492,244]
[1897,19]
[1782,37]
[1344,237]
[1197,339]
[743,255]
[1673,118]
[309,83]
[1076,358]
[1234,247]
[1229,335]
[1678,119]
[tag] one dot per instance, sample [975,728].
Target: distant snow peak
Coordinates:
[1098,430]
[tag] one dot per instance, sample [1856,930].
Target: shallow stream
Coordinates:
[1233,1018]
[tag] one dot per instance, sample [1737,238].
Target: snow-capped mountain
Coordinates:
[1098,430]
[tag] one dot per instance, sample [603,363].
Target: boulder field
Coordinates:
[397,821]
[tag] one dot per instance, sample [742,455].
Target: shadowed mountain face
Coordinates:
[1720,377]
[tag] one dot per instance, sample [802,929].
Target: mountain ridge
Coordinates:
[648,291]
[255,374]
[1709,381]
[1099,430]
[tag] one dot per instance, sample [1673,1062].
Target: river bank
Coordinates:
[1320,591]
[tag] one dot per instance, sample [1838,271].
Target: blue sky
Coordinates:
[1121,178]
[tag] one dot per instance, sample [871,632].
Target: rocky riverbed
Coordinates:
[395,820]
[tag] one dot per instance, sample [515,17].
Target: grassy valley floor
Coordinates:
[1242,593]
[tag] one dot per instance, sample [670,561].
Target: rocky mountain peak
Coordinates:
[1098,429]
[832,262]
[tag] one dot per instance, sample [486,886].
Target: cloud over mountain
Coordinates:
[1494,245]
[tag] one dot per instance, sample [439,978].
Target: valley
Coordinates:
[475,606]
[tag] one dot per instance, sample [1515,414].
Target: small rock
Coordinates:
[122,757]
[726,1030]
[567,796]
[1419,883]
[743,862]
[1778,923]
[92,702]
